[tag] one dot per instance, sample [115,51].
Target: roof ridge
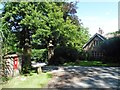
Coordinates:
[97,34]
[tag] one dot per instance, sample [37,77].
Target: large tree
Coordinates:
[39,23]
[17,18]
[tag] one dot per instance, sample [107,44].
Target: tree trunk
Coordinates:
[26,62]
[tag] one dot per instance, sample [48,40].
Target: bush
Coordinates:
[110,49]
[39,55]
[64,55]
[84,55]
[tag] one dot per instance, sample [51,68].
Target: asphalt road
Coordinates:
[84,77]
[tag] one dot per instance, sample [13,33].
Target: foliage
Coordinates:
[64,54]
[80,38]
[89,63]
[115,33]
[69,9]
[13,17]
[39,55]
[55,28]
[48,22]
[9,42]
[36,23]
[111,48]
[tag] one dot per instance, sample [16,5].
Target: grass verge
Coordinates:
[89,63]
[31,81]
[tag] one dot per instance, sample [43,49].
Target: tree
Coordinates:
[62,33]
[16,18]
[55,29]
[69,9]
[82,34]
[110,49]
[39,23]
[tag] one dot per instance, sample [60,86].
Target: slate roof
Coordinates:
[96,35]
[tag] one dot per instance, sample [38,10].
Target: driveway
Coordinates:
[84,77]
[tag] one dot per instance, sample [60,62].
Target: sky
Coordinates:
[98,14]
[1,6]
[95,14]
[119,15]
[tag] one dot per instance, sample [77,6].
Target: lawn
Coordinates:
[30,81]
[89,63]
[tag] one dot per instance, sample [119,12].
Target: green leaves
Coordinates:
[45,21]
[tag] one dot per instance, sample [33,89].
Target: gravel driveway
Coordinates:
[84,77]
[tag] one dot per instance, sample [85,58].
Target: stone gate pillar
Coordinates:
[50,50]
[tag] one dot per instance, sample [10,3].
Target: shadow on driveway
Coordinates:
[84,77]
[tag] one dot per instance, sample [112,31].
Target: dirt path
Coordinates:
[85,77]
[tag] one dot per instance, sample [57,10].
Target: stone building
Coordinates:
[91,46]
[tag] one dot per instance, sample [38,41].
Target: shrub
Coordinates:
[110,49]
[63,55]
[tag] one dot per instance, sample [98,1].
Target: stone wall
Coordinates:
[12,65]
